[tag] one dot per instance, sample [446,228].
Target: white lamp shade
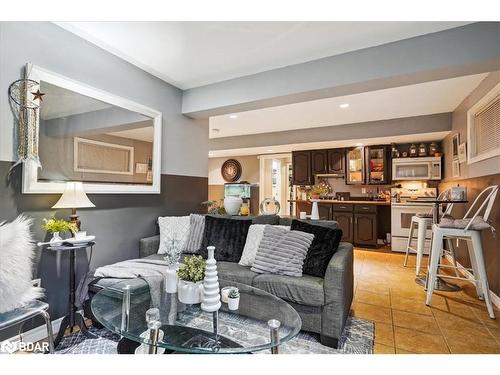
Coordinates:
[73,197]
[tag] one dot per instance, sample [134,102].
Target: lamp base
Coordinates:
[73,218]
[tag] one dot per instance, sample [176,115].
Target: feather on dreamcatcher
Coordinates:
[25,98]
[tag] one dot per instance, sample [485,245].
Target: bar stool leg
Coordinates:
[437,243]
[408,244]
[478,252]
[473,261]
[420,246]
[451,248]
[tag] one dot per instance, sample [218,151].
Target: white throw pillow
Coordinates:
[16,265]
[254,236]
[173,227]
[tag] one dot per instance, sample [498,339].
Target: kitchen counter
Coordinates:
[378,203]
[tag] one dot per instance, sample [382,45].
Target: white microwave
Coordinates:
[420,168]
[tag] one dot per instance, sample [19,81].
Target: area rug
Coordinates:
[356,339]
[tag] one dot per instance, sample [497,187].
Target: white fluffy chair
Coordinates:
[18,294]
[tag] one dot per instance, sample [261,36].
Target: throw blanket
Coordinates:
[152,271]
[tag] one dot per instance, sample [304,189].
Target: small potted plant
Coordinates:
[215,207]
[233,299]
[317,191]
[57,227]
[191,274]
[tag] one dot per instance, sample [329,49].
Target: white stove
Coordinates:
[405,204]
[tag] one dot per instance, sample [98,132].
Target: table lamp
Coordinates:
[74,197]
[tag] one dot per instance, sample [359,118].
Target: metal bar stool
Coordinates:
[423,222]
[467,229]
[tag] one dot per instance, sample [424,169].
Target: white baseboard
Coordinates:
[37,333]
[465,272]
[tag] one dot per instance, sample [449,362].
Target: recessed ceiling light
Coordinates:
[269,150]
[233,116]
[210,153]
[215,130]
[344,105]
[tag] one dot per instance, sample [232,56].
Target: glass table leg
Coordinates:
[154,332]
[274,326]
[125,308]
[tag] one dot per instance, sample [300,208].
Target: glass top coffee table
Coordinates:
[262,322]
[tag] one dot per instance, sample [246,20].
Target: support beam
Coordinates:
[373,129]
[465,50]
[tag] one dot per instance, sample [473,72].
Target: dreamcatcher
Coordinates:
[25,104]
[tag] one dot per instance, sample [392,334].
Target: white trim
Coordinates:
[76,144]
[275,156]
[31,185]
[494,92]
[37,333]
[465,272]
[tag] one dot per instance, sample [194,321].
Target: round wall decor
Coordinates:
[231,170]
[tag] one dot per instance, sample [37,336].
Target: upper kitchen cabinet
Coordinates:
[301,164]
[355,163]
[336,161]
[319,161]
[377,165]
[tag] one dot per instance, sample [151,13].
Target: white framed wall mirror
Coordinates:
[109,143]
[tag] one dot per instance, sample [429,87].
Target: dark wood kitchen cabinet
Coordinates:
[355,166]
[336,161]
[319,161]
[378,168]
[345,222]
[365,229]
[325,211]
[301,168]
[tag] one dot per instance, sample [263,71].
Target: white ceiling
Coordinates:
[191,54]
[404,101]
[279,149]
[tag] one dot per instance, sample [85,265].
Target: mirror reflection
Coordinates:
[105,143]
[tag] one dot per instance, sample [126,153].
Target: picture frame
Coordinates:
[455,168]
[455,145]
[462,152]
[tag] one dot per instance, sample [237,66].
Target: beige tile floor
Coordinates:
[386,293]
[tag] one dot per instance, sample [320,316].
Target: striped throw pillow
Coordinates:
[195,236]
[282,252]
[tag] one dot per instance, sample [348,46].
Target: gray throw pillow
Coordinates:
[282,252]
[195,236]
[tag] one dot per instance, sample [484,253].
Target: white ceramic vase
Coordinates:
[56,237]
[188,292]
[171,278]
[232,205]
[233,303]
[210,301]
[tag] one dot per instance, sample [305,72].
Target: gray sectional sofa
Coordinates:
[322,303]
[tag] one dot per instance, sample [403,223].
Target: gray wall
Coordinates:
[118,221]
[60,51]
[459,125]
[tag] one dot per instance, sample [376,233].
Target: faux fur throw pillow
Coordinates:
[16,252]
